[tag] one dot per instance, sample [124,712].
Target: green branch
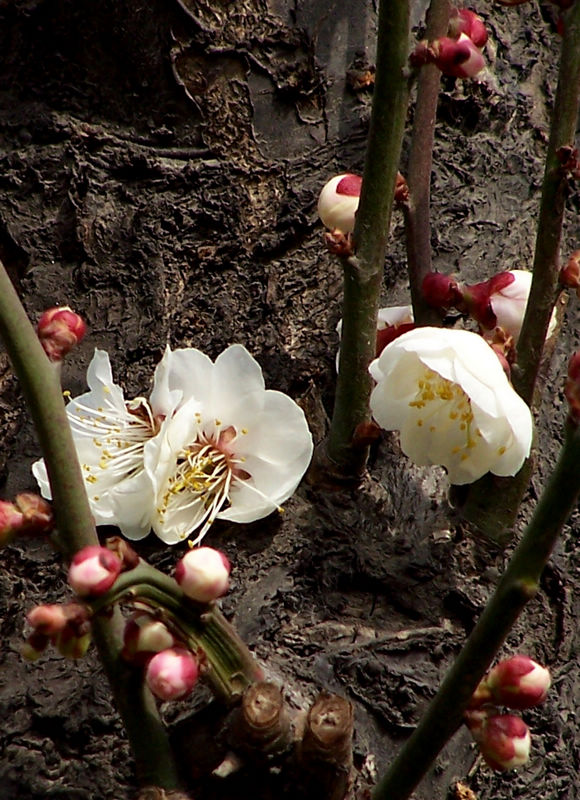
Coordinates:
[40,383]
[492,503]
[544,288]
[232,668]
[364,270]
[516,587]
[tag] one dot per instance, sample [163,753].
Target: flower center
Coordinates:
[444,408]
[118,436]
[201,482]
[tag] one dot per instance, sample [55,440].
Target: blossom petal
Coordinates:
[446,393]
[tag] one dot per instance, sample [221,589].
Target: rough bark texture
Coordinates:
[159,172]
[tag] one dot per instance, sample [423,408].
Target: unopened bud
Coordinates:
[518,682]
[128,557]
[441,291]
[34,646]
[338,202]
[143,637]
[47,619]
[570,274]
[203,574]
[71,643]
[401,189]
[59,330]
[572,388]
[468,22]
[11,522]
[37,514]
[457,57]
[504,739]
[172,674]
[93,571]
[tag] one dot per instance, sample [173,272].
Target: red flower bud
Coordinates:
[59,330]
[203,574]
[469,23]
[143,637]
[570,274]
[441,291]
[504,739]
[172,674]
[457,57]
[518,682]
[93,571]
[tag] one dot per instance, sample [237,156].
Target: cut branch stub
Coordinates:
[262,724]
[325,752]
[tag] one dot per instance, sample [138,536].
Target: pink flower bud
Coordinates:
[457,57]
[37,513]
[59,330]
[93,571]
[518,682]
[49,619]
[441,291]
[469,23]
[338,202]
[143,637]
[504,739]
[172,674]
[11,521]
[203,573]
[572,388]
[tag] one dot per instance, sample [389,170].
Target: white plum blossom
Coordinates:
[447,394]
[110,434]
[211,442]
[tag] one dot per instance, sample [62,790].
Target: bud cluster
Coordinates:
[516,683]
[459,53]
[66,626]
[154,638]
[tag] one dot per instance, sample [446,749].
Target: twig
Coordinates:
[417,209]
[363,271]
[517,586]
[543,292]
[42,390]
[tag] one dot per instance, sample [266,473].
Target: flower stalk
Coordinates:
[363,269]
[41,387]
[516,587]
